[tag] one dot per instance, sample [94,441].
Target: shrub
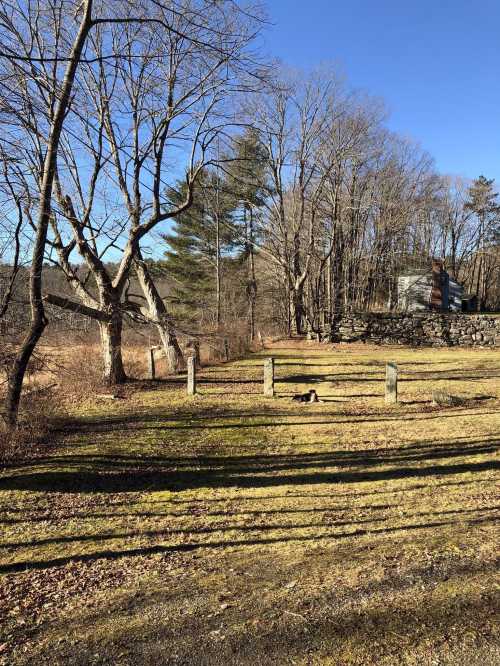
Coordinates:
[37,413]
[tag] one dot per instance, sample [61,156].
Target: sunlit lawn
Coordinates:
[230,528]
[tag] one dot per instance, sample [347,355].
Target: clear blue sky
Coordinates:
[435,63]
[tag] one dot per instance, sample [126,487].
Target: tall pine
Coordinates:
[483,202]
[246,180]
[199,239]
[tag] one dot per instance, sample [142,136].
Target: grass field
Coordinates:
[233,529]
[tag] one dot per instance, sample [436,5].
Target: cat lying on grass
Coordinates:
[309,397]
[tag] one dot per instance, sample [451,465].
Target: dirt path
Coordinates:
[233,529]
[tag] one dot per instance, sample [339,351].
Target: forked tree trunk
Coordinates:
[157,312]
[111,345]
[109,316]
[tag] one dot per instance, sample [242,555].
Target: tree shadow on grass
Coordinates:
[395,616]
[320,625]
[231,543]
[128,473]
[253,425]
[246,419]
[325,524]
[275,461]
[192,502]
[377,378]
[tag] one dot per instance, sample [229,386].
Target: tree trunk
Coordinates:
[158,313]
[298,309]
[111,345]
[328,290]
[252,284]
[16,377]
[298,289]
[288,297]
[217,272]
[173,353]
[480,268]
[38,319]
[478,284]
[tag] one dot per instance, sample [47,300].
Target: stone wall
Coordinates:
[431,328]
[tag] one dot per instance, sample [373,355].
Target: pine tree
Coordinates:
[246,179]
[483,202]
[200,237]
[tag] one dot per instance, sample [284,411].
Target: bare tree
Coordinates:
[27,82]
[347,203]
[68,70]
[14,200]
[166,101]
[292,119]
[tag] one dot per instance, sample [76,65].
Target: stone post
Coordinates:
[269,377]
[191,375]
[391,383]
[309,333]
[150,356]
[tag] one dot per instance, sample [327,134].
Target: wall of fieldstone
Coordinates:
[429,328]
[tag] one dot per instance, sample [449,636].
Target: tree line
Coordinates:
[149,143]
[331,207]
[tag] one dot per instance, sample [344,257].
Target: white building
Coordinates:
[424,290]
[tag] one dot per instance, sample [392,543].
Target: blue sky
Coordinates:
[435,64]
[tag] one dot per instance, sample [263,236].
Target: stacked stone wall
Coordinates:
[418,329]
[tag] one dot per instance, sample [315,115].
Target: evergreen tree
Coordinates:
[200,237]
[246,180]
[483,202]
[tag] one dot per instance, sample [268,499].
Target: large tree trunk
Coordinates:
[298,289]
[38,319]
[157,312]
[16,377]
[109,316]
[111,345]
[173,353]
[298,309]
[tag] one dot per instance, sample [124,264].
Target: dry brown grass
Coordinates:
[229,528]
[39,409]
